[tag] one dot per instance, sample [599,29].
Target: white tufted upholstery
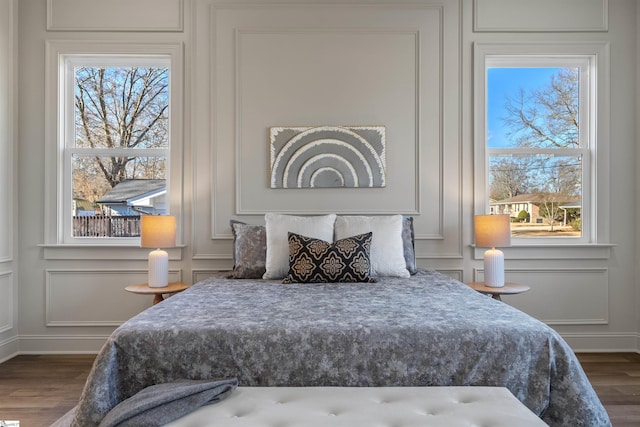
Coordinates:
[364,407]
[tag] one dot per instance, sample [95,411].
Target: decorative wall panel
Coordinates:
[8,108]
[338,82]
[95,297]
[115,15]
[300,65]
[540,15]
[553,297]
[6,301]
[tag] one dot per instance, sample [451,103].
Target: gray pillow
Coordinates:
[249,250]
[408,238]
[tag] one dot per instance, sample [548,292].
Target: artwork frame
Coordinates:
[327,157]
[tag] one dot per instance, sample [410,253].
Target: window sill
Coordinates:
[103,252]
[553,251]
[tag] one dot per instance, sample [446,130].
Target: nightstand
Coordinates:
[509,288]
[144,289]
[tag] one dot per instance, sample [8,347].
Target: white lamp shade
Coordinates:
[157,231]
[493,231]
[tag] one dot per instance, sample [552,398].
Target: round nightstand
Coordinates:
[509,288]
[144,289]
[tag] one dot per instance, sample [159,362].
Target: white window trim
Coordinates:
[596,225]
[56,191]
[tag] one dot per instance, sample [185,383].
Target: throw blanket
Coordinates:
[427,330]
[160,404]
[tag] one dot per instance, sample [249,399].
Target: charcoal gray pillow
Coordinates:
[408,238]
[249,250]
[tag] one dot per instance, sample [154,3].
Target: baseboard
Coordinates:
[9,348]
[91,344]
[603,342]
[61,344]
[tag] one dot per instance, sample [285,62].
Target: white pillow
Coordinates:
[278,228]
[387,250]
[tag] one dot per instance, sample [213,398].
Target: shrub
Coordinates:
[523,216]
[576,224]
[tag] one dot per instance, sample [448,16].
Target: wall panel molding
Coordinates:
[91,344]
[9,348]
[233,26]
[248,94]
[8,124]
[199,274]
[322,43]
[61,344]
[7,301]
[115,15]
[602,342]
[540,15]
[454,274]
[71,296]
[233,185]
[552,298]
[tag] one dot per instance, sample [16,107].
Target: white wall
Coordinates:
[251,65]
[591,299]
[8,139]
[637,180]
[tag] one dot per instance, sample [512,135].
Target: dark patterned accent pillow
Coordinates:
[317,261]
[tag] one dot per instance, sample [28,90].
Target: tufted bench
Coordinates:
[364,407]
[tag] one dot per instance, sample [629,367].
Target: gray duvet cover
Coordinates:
[428,330]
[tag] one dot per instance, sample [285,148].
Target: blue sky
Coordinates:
[502,82]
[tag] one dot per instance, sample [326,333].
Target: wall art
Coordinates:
[328,157]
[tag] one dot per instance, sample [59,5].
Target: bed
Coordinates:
[298,311]
[429,330]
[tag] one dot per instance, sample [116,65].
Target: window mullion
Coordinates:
[559,152]
[120,152]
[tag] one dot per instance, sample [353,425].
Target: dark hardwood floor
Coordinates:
[616,379]
[37,390]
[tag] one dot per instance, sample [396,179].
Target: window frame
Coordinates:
[62,57]
[593,59]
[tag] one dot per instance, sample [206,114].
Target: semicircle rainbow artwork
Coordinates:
[327,157]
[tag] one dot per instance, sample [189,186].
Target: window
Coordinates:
[117,128]
[537,141]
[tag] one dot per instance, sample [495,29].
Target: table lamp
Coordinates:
[158,231]
[493,231]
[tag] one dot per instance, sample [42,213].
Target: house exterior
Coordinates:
[513,205]
[135,196]
[531,203]
[83,207]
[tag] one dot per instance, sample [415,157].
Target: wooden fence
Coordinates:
[106,226]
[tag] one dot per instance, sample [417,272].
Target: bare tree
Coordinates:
[549,204]
[560,187]
[509,177]
[546,117]
[122,107]
[89,183]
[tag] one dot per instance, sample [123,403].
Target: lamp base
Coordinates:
[158,269]
[494,268]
